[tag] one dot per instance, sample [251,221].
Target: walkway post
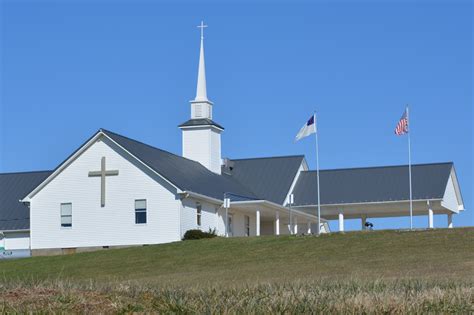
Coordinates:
[226,206]
[277,223]
[257,219]
[450,220]
[430,215]
[341,222]
[290,217]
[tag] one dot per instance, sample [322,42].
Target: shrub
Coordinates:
[198,234]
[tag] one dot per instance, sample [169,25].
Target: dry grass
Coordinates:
[325,296]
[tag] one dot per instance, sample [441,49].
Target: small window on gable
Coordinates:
[198,213]
[66,215]
[140,211]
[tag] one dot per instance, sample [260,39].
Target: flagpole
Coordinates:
[317,174]
[409,170]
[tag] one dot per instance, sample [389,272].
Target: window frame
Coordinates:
[61,216]
[140,211]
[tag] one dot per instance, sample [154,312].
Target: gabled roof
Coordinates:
[200,122]
[373,184]
[185,174]
[14,215]
[268,178]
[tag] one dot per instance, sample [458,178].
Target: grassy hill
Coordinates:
[430,260]
[446,253]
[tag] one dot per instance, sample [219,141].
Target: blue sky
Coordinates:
[69,68]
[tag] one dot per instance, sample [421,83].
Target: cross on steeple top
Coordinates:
[201,93]
[202,26]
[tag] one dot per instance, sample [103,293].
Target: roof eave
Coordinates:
[13,231]
[187,194]
[201,126]
[365,203]
[62,166]
[78,152]
[277,207]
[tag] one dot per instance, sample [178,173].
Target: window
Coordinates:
[140,211]
[66,215]
[247,225]
[198,213]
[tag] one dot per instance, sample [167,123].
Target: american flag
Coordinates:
[402,126]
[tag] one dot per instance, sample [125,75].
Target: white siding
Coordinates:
[17,240]
[189,216]
[215,149]
[303,167]
[450,199]
[220,222]
[114,224]
[196,145]
[238,222]
[203,145]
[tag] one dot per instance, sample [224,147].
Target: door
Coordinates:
[247,225]
[230,225]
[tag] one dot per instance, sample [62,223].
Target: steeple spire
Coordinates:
[201,135]
[201,91]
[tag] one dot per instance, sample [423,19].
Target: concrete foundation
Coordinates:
[69,251]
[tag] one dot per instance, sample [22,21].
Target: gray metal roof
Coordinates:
[268,178]
[185,174]
[256,178]
[13,187]
[372,184]
[200,122]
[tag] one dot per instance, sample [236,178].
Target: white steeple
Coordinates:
[201,135]
[201,91]
[201,107]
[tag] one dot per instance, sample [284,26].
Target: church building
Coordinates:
[115,191]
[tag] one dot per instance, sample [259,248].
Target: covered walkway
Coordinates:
[274,219]
[381,192]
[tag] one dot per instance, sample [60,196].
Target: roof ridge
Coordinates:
[270,157]
[27,172]
[146,144]
[232,181]
[374,167]
[175,155]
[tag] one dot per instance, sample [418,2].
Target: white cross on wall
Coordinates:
[102,174]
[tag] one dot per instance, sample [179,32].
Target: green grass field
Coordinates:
[394,271]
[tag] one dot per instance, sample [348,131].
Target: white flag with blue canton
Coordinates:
[307,129]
